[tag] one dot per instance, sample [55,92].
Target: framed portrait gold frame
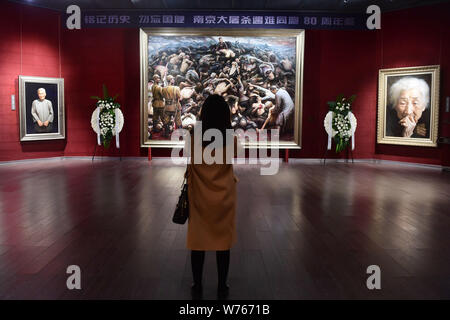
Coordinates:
[25,105]
[299,35]
[432,72]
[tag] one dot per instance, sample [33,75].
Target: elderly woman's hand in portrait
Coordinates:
[408,124]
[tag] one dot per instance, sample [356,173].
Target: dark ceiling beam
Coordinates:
[199,4]
[274,5]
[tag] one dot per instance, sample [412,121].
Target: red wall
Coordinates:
[29,46]
[418,37]
[335,62]
[338,62]
[91,58]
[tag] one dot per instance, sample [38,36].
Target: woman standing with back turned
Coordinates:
[212,200]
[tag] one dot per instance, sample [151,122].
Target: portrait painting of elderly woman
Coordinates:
[41,108]
[408,106]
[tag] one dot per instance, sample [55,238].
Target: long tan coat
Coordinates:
[212,206]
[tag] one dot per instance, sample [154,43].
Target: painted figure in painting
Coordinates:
[283,109]
[172,110]
[158,100]
[42,112]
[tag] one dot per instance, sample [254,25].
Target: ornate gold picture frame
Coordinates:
[276,56]
[408,106]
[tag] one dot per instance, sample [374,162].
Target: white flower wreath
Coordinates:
[107,119]
[328,121]
[95,123]
[340,123]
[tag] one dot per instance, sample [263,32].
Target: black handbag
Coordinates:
[182,209]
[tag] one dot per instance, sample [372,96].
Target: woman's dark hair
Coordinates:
[215,114]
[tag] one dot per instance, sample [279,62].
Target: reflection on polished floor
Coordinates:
[308,232]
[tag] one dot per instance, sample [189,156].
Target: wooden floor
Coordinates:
[308,232]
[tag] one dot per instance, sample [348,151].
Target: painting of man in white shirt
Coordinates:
[42,112]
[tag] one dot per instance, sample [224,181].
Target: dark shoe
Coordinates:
[223,291]
[196,291]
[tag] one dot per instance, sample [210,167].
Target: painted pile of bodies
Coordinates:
[243,75]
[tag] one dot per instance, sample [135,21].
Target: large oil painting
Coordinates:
[258,72]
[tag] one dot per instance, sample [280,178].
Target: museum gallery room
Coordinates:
[338,186]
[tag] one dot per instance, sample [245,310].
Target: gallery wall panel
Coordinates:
[409,38]
[30,46]
[91,58]
[334,62]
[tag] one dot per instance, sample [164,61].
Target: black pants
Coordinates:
[43,129]
[223,263]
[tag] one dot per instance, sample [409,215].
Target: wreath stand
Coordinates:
[348,154]
[103,149]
